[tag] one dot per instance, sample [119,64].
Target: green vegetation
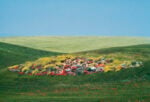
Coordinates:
[74,44]
[136,52]
[12,54]
[129,85]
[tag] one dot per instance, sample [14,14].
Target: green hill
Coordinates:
[129,85]
[13,54]
[72,44]
[136,52]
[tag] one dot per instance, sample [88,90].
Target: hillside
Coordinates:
[13,54]
[136,52]
[74,44]
[126,85]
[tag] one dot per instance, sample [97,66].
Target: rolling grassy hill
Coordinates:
[73,44]
[130,85]
[136,52]
[13,54]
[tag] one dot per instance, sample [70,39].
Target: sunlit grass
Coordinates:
[74,44]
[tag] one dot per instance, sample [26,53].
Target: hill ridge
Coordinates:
[74,44]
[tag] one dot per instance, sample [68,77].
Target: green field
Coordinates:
[129,85]
[74,44]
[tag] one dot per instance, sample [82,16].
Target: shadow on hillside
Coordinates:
[13,54]
[13,47]
[142,48]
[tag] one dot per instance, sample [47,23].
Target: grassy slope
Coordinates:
[136,52]
[74,44]
[12,54]
[127,85]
